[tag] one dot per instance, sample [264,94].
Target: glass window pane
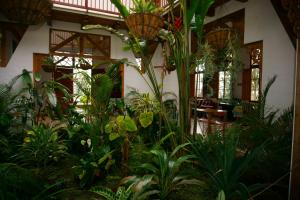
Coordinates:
[81,85]
[224,85]
[254,84]
[199,84]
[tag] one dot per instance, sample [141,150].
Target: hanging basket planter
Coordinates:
[219,38]
[144,25]
[48,68]
[85,66]
[29,12]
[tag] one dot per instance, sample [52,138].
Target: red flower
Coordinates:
[178,23]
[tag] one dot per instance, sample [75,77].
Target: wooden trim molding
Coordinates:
[295,166]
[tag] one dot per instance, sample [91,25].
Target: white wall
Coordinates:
[262,23]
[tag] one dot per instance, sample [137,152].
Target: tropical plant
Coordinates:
[42,145]
[225,162]
[144,6]
[178,41]
[140,47]
[93,164]
[97,90]
[8,115]
[163,173]
[48,60]
[221,196]
[36,99]
[20,183]
[121,194]
[121,127]
[259,123]
[140,6]
[143,106]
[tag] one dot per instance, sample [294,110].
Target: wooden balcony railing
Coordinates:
[101,6]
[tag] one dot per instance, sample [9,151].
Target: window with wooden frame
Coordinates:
[224,91]
[252,76]
[199,80]
[81,53]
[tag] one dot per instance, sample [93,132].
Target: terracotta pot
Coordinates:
[144,25]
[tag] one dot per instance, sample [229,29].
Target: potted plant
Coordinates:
[83,64]
[48,64]
[144,21]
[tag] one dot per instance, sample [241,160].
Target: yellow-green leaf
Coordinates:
[146,119]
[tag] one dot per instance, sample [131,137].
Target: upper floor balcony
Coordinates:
[103,7]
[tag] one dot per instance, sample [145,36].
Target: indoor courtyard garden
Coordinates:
[149,99]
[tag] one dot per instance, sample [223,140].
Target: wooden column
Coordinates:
[295,174]
[294,17]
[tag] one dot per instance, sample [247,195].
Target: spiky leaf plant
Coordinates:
[225,163]
[163,173]
[121,194]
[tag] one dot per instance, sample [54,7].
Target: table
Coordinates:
[210,112]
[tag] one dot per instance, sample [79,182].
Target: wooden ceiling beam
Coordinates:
[283,16]
[84,19]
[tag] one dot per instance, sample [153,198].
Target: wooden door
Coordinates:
[246,85]
[67,82]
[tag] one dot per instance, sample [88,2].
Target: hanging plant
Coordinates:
[83,64]
[29,12]
[221,52]
[219,37]
[144,20]
[214,60]
[48,64]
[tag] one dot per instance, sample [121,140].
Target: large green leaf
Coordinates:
[146,119]
[198,8]
[103,158]
[221,195]
[102,87]
[121,8]
[104,192]
[108,128]
[113,136]
[129,123]
[52,97]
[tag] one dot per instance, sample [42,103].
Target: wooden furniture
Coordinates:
[210,120]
